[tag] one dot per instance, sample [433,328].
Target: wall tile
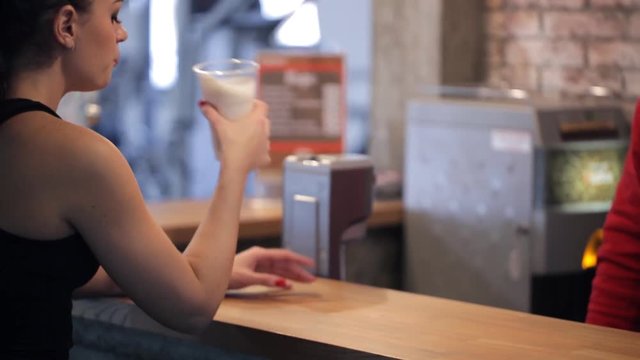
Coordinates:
[546,4]
[494,52]
[584,24]
[620,4]
[513,23]
[576,81]
[576,44]
[615,53]
[521,77]
[632,82]
[544,52]
[634,25]
[493,4]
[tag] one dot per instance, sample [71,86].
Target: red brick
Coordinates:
[521,77]
[584,24]
[494,23]
[493,4]
[512,23]
[576,81]
[634,25]
[546,4]
[542,52]
[494,52]
[614,53]
[620,4]
[632,82]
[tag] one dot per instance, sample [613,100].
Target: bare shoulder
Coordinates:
[50,167]
[43,138]
[69,156]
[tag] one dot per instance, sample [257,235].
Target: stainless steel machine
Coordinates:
[502,195]
[326,202]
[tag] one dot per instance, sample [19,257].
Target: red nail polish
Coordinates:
[281,283]
[201,103]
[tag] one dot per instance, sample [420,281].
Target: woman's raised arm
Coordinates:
[104,203]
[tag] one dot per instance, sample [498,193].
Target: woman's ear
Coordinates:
[65,26]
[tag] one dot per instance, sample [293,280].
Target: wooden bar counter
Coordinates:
[333,319]
[259,218]
[409,326]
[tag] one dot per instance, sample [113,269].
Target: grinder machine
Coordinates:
[502,195]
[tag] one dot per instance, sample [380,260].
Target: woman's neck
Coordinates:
[43,85]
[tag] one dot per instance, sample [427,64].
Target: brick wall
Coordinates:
[561,47]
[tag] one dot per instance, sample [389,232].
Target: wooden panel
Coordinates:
[259,218]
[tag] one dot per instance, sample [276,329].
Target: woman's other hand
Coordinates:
[269,267]
[243,143]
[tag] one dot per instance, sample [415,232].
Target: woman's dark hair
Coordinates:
[26,35]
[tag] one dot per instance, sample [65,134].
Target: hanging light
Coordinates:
[278,9]
[163,43]
[301,29]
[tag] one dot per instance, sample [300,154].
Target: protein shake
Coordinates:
[230,85]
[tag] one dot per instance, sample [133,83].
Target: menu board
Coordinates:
[306,98]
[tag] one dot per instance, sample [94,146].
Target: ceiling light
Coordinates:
[163,43]
[278,9]
[302,29]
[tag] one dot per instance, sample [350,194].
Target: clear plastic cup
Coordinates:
[230,85]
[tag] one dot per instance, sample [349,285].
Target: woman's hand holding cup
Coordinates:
[243,142]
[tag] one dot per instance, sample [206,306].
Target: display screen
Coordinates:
[582,176]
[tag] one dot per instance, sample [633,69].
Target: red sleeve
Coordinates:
[615,294]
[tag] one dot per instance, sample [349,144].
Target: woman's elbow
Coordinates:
[195,326]
[198,320]
[199,324]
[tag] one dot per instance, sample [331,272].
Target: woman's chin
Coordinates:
[99,85]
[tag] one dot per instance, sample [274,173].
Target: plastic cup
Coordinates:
[230,85]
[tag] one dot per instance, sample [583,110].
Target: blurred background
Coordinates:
[149,111]
[501,124]
[392,51]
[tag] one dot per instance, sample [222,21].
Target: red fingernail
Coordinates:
[201,103]
[281,283]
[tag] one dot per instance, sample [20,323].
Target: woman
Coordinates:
[71,203]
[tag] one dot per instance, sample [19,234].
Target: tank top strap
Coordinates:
[12,107]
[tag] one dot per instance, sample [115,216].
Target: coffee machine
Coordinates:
[502,195]
[327,200]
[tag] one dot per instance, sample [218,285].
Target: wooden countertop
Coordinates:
[409,326]
[259,218]
[349,317]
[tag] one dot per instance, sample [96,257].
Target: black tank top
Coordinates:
[36,281]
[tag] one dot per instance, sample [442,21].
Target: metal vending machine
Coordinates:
[327,200]
[502,195]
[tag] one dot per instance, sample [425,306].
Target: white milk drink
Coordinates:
[232,96]
[230,85]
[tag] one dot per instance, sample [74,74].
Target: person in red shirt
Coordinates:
[615,294]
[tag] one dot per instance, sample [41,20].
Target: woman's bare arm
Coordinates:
[103,202]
